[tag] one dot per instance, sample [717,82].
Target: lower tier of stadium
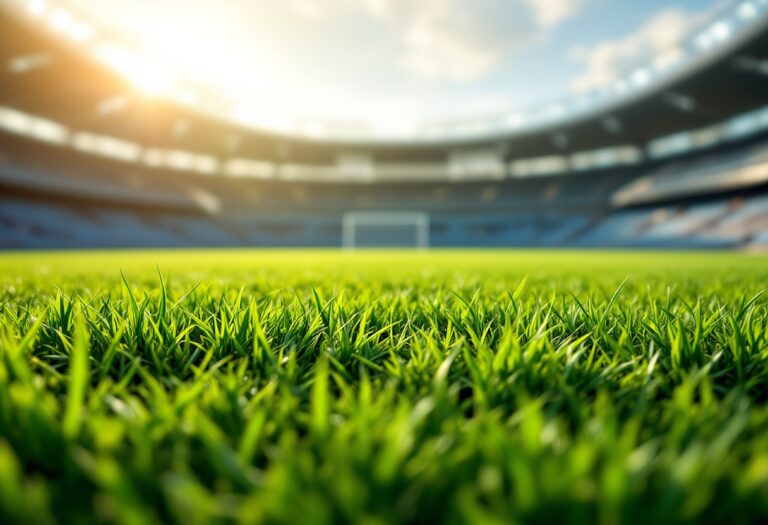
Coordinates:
[732,223]
[56,198]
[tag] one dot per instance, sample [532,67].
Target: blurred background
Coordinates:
[432,123]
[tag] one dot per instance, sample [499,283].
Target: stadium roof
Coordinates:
[55,79]
[724,30]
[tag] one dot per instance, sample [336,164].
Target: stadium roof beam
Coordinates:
[612,125]
[112,105]
[284,150]
[180,129]
[233,142]
[560,140]
[748,64]
[682,103]
[505,150]
[24,64]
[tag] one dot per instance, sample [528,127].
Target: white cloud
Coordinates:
[330,8]
[607,61]
[434,54]
[452,40]
[305,8]
[443,41]
[550,13]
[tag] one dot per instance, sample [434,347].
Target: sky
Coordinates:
[395,63]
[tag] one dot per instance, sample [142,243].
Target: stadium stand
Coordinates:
[82,170]
[711,173]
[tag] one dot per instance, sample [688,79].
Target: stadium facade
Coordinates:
[676,157]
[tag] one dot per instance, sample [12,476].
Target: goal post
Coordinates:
[362,229]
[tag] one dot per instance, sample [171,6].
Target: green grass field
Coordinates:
[383,387]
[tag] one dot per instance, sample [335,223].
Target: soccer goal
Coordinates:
[385,229]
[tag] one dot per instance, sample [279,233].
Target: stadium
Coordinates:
[545,313]
[671,162]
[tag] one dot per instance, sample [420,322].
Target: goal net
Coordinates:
[385,229]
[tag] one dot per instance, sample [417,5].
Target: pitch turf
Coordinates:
[383,387]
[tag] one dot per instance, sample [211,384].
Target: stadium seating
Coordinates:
[641,172]
[731,170]
[29,224]
[58,198]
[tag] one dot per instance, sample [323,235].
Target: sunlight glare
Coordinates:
[147,76]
